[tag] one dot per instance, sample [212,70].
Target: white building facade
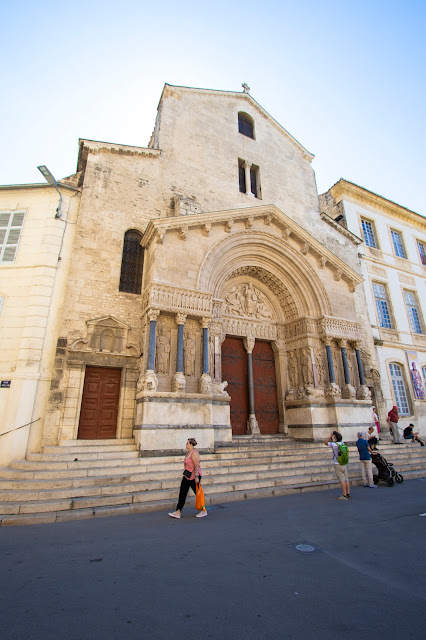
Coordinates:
[393,258]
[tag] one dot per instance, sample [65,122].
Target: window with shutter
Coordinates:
[11,223]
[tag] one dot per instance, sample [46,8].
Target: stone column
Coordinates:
[179,380]
[252,425]
[363,392]
[348,390]
[205,380]
[148,381]
[332,390]
[247,167]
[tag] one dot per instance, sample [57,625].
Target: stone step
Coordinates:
[128,508]
[96,443]
[28,492]
[104,448]
[68,457]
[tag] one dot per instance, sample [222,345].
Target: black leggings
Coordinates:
[184,488]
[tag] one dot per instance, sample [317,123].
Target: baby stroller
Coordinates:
[386,470]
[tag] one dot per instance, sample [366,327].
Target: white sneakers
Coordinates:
[202,514]
[174,515]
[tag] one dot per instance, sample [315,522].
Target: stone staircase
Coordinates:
[85,479]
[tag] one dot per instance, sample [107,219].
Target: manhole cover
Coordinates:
[306,548]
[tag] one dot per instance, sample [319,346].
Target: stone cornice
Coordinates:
[356,194]
[345,232]
[169,90]
[95,147]
[158,228]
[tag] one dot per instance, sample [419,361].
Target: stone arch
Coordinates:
[266,258]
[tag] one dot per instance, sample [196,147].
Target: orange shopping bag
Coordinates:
[200,502]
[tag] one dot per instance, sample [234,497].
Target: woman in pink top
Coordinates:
[191,477]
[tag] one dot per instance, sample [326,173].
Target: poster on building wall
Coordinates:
[416,376]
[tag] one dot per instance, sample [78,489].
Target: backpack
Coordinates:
[343,457]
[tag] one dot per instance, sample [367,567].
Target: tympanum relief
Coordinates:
[246,301]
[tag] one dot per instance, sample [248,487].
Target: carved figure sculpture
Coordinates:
[292,370]
[163,352]
[307,370]
[319,363]
[189,355]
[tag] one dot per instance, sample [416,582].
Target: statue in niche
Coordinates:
[319,363]
[163,352]
[292,370]
[307,369]
[351,371]
[189,349]
[107,340]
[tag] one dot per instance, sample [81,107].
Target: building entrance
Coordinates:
[235,372]
[99,406]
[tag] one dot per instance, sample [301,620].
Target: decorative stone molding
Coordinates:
[179,382]
[249,343]
[207,228]
[174,299]
[205,323]
[337,274]
[348,392]
[180,318]
[268,219]
[252,425]
[183,233]
[286,233]
[205,384]
[334,328]
[322,261]
[239,327]
[249,222]
[147,382]
[228,226]
[363,393]
[105,335]
[153,314]
[305,249]
[160,237]
[332,391]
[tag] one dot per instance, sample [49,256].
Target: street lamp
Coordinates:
[51,180]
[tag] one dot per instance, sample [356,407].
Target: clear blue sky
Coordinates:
[347,79]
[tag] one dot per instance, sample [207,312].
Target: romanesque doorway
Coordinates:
[234,371]
[265,388]
[99,406]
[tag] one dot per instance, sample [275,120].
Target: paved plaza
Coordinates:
[237,574]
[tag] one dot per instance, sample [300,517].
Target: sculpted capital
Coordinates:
[153,314]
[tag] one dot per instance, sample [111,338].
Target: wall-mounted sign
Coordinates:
[5,384]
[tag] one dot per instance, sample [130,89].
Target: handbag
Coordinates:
[200,501]
[187,474]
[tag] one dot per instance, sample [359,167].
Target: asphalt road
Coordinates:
[235,574]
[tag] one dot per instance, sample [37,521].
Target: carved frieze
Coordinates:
[170,298]
[245,300]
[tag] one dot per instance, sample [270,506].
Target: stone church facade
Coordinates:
[206,295]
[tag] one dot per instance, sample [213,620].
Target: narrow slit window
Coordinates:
[242,176]
[132,263]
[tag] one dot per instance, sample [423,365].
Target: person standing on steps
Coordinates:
[340,469]
[364,451]
[393,418]
[190,479]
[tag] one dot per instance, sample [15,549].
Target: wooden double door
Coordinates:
[99,406]
[235,371]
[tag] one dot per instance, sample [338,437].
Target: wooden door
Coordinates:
[265,388]
[234,371]
[99,406]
